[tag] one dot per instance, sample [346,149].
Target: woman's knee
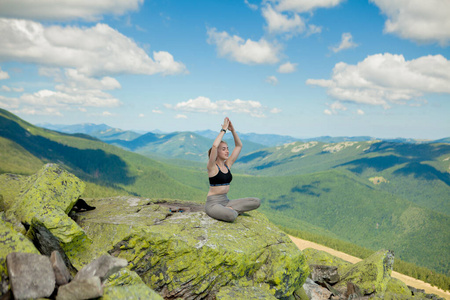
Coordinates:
[226,214]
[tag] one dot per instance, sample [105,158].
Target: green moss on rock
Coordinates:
[130,292]
[370,275]
[191,254]
[12,241]
[50,185]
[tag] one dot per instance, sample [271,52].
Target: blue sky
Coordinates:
[292,67]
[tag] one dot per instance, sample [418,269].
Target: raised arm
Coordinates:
[216,143]
[237,146]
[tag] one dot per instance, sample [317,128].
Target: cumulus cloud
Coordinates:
[287,68]
[334,108]
[93,51]
[11,89]
[278,22]
[157,111]
[272,80]
[181,116]
[385,79]
[417,20]
[244,51]
[360,112]
[250,5]
[65,10]
[205,105]
[302,6]
[346,43]
[3,74]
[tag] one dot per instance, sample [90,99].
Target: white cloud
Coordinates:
[243,51]
[65,10]
[93,51]
[272,80]
[301,6]
[275,110]
[346,43]
[385,79]
[287,68]
[250,5]
[205,105]
[180,116]
[417,20]
[141,115]
[281,23]
[360,112]
[334,108]
[157,111]
[107,114]
[3,74]
[44,111]
[11,89]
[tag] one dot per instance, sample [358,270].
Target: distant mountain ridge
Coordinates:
[374,194]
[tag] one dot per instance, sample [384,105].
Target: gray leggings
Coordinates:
[216,207]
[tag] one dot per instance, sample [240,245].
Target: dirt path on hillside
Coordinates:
[418,284]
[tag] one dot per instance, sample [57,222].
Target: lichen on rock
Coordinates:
[190,254]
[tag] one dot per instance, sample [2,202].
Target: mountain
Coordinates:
[87,128]
[417,172]
[25,148]
[374,194]
[263,139]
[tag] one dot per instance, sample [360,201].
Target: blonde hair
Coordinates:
[210,149]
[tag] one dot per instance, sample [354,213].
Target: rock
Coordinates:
[188,254]
[248,293]
[370,275]
[321,274]
[102,267]
[318,257]
[84,288]
[315,291]
[62,274]
[12,241]
[51,185]
[31,275]
[130,292]
[47,243]
[46,198]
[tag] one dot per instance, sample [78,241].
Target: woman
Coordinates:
[218,206]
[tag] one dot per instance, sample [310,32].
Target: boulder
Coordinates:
[46,198]
[62,274]
[84,288]
[370,275]
[12,241]
[126,284]
[322,274]
[102,267]
[315,291]
[188,254]
[31,275]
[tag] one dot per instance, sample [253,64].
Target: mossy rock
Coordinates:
[190,254]
[370,275]
[12,241]
[46,198]
[127,284]
[248,293]
[318,257]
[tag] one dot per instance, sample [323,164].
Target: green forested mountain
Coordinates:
[373,194]
[418,173]
[25,148]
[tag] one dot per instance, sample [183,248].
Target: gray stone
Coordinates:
[31,275]
[321,273]
[102,267]
[315,291]
[62,274]
[84,288]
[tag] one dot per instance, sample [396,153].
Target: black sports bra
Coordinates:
[221,178]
